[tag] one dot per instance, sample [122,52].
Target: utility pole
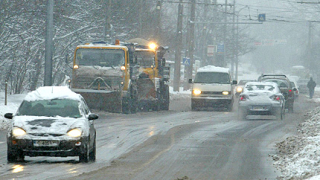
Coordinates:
[225,36]
[177,64]
[233,39]
[49,44]
[158,22]
[107,27]
[191,43]
[204,44]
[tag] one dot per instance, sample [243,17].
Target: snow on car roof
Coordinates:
[254,86]
[211,68]
[52,92]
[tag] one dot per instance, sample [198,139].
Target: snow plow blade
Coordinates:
[103,100]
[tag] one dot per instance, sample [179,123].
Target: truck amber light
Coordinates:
[225,92]
[123,68]
[152,46]
[196,92]
[75,66]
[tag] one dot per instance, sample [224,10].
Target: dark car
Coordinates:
[285,86]
[263,99]
[52,121]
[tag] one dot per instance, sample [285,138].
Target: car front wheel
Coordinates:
[92,155]
[84,156]
[14,156]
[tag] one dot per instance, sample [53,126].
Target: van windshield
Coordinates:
[212,77]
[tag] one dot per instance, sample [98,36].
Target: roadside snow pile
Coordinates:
[298,156]
[179,95]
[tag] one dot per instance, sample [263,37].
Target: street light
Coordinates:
[237,40]
[158,5]
[158,16]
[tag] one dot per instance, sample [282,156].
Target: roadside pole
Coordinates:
[177,64]
[6,93]
[49,45]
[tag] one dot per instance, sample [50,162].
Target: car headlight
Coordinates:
[239,89]
[196,92]
[225,92]
[74,133]
[18,132]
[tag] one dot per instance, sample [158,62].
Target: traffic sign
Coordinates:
[220,48]
[186,61]
[211,50]
[261,17]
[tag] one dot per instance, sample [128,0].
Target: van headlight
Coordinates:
[225,92]
[74,133]
[16,131]
[196,91]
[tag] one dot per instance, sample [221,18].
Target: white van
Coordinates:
[212,87]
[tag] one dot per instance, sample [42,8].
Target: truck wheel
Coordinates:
[125,106]
[165,101]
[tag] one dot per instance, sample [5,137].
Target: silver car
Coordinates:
[261,98]
[52,121]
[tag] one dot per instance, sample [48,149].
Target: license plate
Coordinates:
[258,108]
[45,143]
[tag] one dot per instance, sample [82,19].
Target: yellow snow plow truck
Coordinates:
[123,77]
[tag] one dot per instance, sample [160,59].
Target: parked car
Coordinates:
[295,89]
[261,98]
[284,85]
[52,121]
[302,86]
[240,86]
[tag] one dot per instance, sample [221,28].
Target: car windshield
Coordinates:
[50,108]
[145,58]
[212,77]
[281,83]
[100,57]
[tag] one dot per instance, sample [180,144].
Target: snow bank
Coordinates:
[299,156]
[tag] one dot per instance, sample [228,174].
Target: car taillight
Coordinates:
[242,98]
[276,98]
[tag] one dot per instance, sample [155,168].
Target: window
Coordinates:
[212,77]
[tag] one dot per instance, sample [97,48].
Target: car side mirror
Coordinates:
[234,82]
[294,89]
[8,115]
[93,116]
[190,80]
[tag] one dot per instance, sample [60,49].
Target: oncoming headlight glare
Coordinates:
[76,66]
[196,91]
[18,131]
[239,89]
[74,133]
[225,93]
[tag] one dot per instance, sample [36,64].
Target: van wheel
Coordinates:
[230,107]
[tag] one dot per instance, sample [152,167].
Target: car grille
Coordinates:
[85,82]
[45,135]
[211,92]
